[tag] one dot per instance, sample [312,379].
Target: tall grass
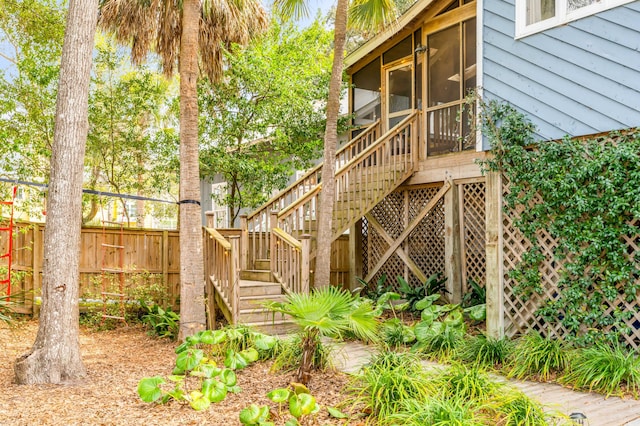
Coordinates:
[387,382]
[606,369]
[537,356]
[486,351]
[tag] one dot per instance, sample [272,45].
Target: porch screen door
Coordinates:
[399,81]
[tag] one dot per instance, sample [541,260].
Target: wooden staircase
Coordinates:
[272,253]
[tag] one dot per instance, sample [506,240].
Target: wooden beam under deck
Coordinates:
[459,165]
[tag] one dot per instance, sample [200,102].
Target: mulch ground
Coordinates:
[116,360]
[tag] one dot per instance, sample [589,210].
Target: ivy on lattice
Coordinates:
[585,195]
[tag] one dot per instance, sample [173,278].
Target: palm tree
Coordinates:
[363,13]
[184,32]
[327,311]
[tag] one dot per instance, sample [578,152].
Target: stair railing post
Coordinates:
[305,263]
[234,277]
[415,129]
[244,242]
[273,223]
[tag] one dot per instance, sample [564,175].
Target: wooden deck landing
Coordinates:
[600,411]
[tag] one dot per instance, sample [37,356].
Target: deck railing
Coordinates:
[256,226]
[222,268]
[290,261]
[361,183]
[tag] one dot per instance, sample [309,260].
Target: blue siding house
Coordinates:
[574,78]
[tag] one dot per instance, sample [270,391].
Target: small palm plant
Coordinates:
[328,311]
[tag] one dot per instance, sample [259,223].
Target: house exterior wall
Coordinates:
[577,79]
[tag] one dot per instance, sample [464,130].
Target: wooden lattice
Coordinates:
[425,245]
[519,314]
[473,233]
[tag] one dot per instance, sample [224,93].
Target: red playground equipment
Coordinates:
[9,231]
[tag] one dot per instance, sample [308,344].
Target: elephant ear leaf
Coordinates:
[149,388]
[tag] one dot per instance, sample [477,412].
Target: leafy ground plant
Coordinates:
[297,402]
[289,355]
[611,370]
[197,379]
[485,351]
[162,322]
[440,330]
[536,356]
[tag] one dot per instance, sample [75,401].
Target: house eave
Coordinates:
[391,30]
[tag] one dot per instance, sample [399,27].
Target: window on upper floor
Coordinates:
[533,16]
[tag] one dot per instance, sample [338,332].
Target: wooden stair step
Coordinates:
[259,288]
[263,264]
[253,302]
[256,275]
[277,327]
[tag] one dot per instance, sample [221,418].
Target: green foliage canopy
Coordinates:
[266,118]
[584,193]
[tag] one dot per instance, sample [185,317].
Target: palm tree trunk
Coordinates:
[192,304]
[55,355]
[327,196]
[309,345]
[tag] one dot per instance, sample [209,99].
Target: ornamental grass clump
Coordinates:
[610,370]
[387,382]
[539,357]
[485,351]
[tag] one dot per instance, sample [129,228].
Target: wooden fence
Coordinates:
[150,258]
[151,261]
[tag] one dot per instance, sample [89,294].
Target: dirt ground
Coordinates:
[116,360]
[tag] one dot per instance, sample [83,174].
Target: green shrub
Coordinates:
[460,381]
[535,355]
[486,351]
[514,408]
[387,382]
[438,411]
[606,369]
[395,334]
[162,322]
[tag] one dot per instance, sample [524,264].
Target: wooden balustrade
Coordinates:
[257,225]
[222,268]
[361,183]
[290,261]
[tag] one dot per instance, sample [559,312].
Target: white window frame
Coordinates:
[561,17]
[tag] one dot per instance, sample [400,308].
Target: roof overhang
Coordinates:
[391,30]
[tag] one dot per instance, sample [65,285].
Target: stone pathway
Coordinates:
[600,411]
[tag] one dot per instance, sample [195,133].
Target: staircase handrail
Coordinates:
[372,128]
[289,261]
[382,139]
[222,268]
[293,207]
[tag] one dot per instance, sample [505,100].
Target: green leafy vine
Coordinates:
[584,194]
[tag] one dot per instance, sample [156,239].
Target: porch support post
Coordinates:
[355,254]
[244,242]
[452,246]
[305,266]
[495,265]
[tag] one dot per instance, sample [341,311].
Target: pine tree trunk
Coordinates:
[55,355]
[327,196]
[192,303]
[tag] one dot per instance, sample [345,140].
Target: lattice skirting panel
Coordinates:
[520,315]
[424,245]
[473,235]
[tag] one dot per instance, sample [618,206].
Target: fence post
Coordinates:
[273,223]
[244,242]
[305,265]
[210,219]
[495,265]
[234,277]
[452,246]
